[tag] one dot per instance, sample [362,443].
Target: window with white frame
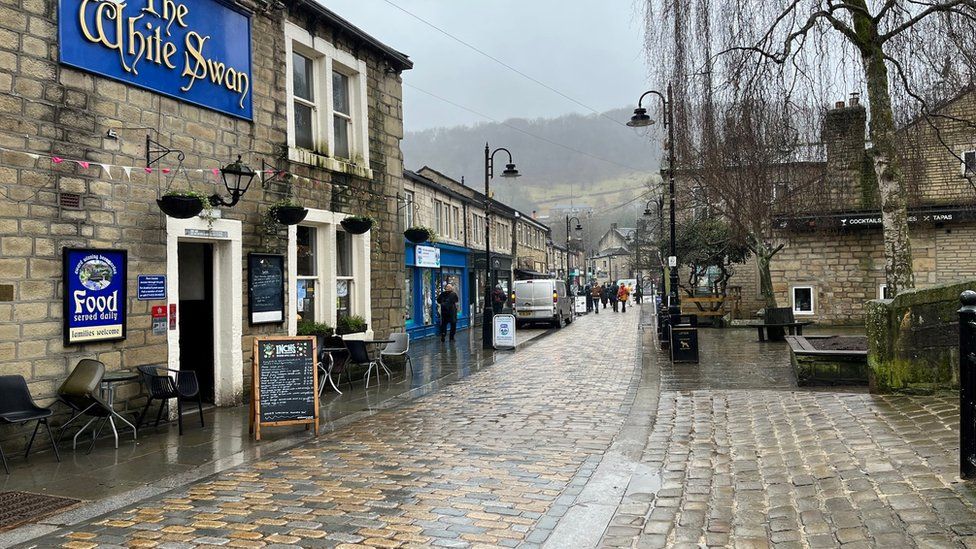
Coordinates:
[327,100]
[968,163]
[408,209]
[344,274]
[457,222]
[308,273]
[439,217]
[803,300]
[884,293]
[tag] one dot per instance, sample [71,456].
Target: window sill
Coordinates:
[309,158]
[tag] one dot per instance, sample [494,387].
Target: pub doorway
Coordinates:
[196,313]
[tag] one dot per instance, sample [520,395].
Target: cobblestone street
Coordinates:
[741,457]
[492,460]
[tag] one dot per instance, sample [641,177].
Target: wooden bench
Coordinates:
[777,321]
[704,306]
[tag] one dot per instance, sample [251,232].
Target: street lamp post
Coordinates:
[487,337]
[641,119]
[579,227]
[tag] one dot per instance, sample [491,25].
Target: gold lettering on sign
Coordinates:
[139,38]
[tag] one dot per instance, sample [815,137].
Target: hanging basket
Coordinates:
[417,236]
[290,215]
[355,225]
[180,207]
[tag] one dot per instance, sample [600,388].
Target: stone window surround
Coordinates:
[326,58]
[813,299]
[326,224]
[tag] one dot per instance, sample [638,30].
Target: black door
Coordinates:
[196,314]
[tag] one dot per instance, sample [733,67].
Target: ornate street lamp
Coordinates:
[237,178]
[579,227]
[487,335]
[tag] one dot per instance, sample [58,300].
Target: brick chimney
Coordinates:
[613,226]
[844,135]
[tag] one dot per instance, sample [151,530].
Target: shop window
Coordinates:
[803,300]
[408,294]
[327,106]
[344,274]
[307,273]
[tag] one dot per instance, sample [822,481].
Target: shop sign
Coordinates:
[198,52]
[94,295]
[151,287]
[504,331]
[427,256]
[200,233]
[266,288]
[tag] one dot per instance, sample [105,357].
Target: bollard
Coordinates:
[967,385]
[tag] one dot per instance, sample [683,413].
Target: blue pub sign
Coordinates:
[94,295]
[198,51]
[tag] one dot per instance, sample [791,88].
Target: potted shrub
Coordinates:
[350,325]
[286,212]
[182,204]
[312,328]
[419,235]
[358,224]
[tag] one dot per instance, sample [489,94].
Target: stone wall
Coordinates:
[49,109]
[913,339]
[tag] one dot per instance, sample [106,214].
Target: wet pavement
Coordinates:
[491,460]
[737,456]
[160,460]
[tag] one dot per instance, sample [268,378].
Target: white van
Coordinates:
[542,300]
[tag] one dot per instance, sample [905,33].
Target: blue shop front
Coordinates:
[429,269]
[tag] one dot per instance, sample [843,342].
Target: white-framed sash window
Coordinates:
[803,298]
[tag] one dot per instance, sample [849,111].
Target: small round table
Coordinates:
[108,384]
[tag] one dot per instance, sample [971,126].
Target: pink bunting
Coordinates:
[215,171]
[57,159]
[83,164]
[148,169]
[166,170]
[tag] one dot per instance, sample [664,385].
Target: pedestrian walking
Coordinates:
[589,297]
[623,294]
[613,295]
[639,296]
[596,294]
[448,302]
[605,295]
[498,299]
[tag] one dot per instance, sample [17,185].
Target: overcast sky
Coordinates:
[590,51]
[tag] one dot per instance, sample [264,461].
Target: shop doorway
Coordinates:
[196,313]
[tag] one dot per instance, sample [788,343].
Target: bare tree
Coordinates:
[817,47]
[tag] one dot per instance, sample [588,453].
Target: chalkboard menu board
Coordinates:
[285,383]
[266,288]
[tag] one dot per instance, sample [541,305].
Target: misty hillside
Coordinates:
[551,174]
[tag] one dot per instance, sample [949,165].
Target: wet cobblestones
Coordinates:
[488,461]
[785,468]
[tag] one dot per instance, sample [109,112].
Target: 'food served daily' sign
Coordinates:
[94,295]
[197,51]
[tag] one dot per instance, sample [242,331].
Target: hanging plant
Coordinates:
[182,204]
[420,234]
[286,212]
[358,224]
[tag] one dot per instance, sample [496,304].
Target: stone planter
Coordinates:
[180,207]
[290,215]
[356,226]
[824,360]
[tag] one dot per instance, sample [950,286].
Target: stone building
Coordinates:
[613,258]
[531,237]
[832,261]
[95,127]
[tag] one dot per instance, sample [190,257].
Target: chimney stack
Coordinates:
[844,136]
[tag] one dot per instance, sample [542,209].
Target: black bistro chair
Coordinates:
[359,356]
[17,408]
[163,387]
[80,393]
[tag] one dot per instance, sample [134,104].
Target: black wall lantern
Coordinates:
[237,178]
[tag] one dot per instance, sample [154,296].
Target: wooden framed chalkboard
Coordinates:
[265,288]
[285,383]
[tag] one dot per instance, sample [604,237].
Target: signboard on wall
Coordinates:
[94,298]
[427,256]
[198,52]
[151,287]
[266,288]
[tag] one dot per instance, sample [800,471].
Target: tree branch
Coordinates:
[933,8]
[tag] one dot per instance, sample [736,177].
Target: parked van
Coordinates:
[542,300]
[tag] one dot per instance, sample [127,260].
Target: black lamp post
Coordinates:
[579,227]
[639,120]
[237,178]
[487,337]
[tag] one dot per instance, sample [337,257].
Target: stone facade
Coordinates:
[48,109]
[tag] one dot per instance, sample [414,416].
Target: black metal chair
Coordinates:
[17,408]
[359,356]
[338,358]
[163,387]
[80,393]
